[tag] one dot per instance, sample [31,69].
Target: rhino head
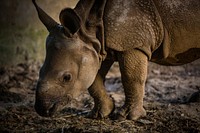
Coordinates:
[73,57]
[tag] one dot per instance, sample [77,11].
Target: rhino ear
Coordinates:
[70,20]
[45,18]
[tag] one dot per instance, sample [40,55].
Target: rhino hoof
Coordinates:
[130,114]
[102,110]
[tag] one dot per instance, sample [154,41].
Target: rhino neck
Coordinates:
[90,39]
[92,28]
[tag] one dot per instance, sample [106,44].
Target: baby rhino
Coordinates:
[96,33]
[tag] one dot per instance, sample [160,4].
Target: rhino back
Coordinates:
[131,24]
[181,19]
[168,30]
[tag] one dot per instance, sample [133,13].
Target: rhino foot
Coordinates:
[130,113]
[102,109]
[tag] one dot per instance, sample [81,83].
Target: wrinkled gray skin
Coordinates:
[92,36]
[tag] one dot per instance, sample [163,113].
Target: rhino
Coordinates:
[96,33]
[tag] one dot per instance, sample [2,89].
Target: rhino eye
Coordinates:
[66,77]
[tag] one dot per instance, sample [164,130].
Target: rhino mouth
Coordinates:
[48,108]
[52,109]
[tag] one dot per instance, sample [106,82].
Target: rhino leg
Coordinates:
[103,104]
[133,67]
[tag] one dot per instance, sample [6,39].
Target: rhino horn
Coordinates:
[49,22]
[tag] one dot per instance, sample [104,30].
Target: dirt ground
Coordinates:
[167,92]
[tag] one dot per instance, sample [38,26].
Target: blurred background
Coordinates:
[22,35]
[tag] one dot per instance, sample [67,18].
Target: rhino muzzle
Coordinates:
[46,109]
[47,104]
